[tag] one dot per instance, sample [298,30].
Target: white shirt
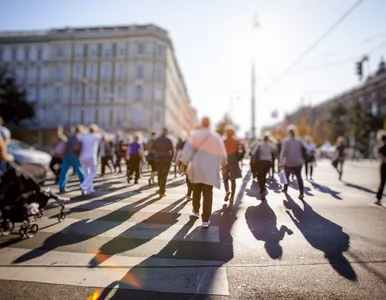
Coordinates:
[310,148]
[90,145]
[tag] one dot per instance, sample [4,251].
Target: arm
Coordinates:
[382,157]
[3,151]
[282,153]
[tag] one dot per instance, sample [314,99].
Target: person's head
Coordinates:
[79,129]
[341,140]
[153,135]
[93,128]
[165,131]
[136,138]
[229,131]
[292,131]
[205,122]
[308,139]
[266,139]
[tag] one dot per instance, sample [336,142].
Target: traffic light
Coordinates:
[359,69]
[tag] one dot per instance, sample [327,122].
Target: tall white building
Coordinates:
[123,78]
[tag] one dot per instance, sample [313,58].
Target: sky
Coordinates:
[214,43]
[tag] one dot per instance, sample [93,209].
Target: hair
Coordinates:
[230,130]
[340,140]
[93,128]
[266,138]
[78,128]
[153,134]
[205,123]
[380,135]
[292,130]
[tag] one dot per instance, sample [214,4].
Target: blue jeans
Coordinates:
[70,161]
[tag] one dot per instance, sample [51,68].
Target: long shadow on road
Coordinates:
[322,234]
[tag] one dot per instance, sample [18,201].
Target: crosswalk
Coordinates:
[123,237]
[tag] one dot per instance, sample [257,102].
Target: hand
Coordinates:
[181,170]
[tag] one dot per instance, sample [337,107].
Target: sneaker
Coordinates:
[149,181]
[262,197]
[378,202]
[63,191]
[232,199]
[84,192]
[194,214]
[284,191]
[226,198]
[205,224]
[301,196]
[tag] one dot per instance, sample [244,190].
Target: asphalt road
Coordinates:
[130,244]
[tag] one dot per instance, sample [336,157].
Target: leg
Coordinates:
[261,179]
[118,163]
[311,169]
[63,180]
[93,171]
[226,182]
[103,162]
[287,171]
[197,189]
[87,174]
[298,174]
[189,185]
[78,169]
[207,192]
[137,164]
[233,188]
[306,166]
[382,184]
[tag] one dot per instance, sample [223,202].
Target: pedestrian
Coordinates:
[89,158]
[150,157]
[264,153]
[339,155]
[382,157]
[254,159]
[292,158]
[189,185]
[179,147]
[164,153]
[232,169]
[71,159]
[311,161]
[4,155]
[135,156]
[5,134]
[106,154]
[278,151]
[241,154]
[272,143]
[120,152]
[58,154]
[205,151]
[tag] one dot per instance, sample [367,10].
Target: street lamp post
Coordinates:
[255,26]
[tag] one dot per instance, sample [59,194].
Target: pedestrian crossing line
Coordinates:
[150,274]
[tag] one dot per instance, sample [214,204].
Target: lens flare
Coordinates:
[131,279]
[95,296]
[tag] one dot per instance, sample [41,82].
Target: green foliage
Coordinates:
[14,106]
[226,121]
[337,119]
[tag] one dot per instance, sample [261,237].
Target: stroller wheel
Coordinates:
[31,230]
[62,216]
[22,231]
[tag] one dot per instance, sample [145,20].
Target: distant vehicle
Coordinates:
[32,161]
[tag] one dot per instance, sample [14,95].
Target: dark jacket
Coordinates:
[163,149]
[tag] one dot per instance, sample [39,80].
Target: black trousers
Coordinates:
[56,165]
[105,163]
[309,166]
[134,163]
[118,162]
[298,173]
[189,185]
[383,181]
[233,185]
[207,193]
[263,170]
[162,171]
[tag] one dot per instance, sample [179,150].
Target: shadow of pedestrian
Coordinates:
[326,190]
[322,234]
[361,188]
[274,185]
[261,221]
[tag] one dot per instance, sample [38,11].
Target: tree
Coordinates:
[226,121]
[337,120]
[303,127]
[322,132]
[14,106]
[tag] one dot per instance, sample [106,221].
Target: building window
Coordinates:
[159,73]
[157,116]
[60,52]
[59,72]
[90,114]
[120,92]
[79,51]
[105,94]
[77,72]
[26,54]
[160,51]
[31,94]
[104,116]
[14,54]
[374,108]
[37,93]
[91,71]
[141,48]
[139,93]
[106,71]
[39,54]
[107,51]
[38,74]
[119,116]
[76,94]
[1,54]
[360,99]
[111,120]
[158,94]
[25,73]
[137,115]
[58,93]
[93,50]
[90,93]
[140,71]
[121,71]
[122,50]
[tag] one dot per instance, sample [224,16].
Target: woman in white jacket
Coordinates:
[205,151]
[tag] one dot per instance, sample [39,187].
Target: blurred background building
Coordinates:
[124,78]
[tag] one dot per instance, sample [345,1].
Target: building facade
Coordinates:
[123,78]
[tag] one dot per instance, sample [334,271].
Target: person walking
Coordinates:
[264,153]
[150,157]
[310,162]
[135,157]
[340,156]
[57,157]
[189,185]
[382,157]
[179,147]
[232,169]
[106,154]
[206,153]
[120,153]
[89,158]
[292,158]
[164,153]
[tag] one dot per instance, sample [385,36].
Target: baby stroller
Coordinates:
[22,197]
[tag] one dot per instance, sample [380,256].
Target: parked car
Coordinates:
[32,161]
